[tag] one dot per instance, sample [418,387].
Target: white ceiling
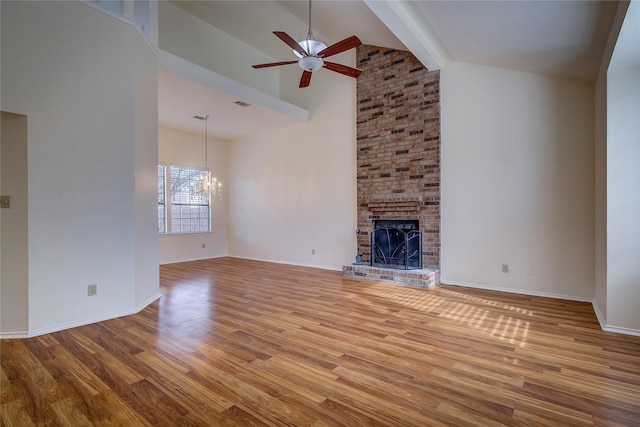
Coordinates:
[253,22]
[180,98]
[559,38]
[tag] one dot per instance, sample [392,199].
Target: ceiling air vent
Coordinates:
[242,103]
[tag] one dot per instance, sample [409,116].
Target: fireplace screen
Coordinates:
[396,244]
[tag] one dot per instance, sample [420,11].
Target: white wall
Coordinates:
[145,170]
[623,177]
[14,265]
[600,154]
[617,154]
[188,37]
[85,82]
[623,198]
[600,217]
[517,181]
[185,149]
[293,190]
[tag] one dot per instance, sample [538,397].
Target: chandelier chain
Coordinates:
[206,143]
[207,186]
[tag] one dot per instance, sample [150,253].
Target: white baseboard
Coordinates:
[75,324]
[608,328]
[601,319]
[13,335]
[275,261]
[148,301]
[178,261]
[596,309]
[517,291]
[619,330]
[323,267]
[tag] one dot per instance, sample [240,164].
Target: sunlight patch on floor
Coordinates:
[484,315]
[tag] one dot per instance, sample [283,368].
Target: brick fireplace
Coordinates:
[398,147]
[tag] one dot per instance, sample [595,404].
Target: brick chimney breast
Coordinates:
[398,146]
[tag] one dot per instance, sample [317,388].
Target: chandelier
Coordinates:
[206,186]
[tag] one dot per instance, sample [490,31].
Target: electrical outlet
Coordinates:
[529,270]
[204,246]
[313,251]
[505,268]
[92,290]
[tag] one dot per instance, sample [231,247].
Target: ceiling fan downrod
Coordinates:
[309,31]
[311,46]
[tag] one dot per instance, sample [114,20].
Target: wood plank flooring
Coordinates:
[244,343]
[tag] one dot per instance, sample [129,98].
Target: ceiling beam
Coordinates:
[420,42]
[209,78]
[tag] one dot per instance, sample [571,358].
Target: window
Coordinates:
[162,197]
[189,211]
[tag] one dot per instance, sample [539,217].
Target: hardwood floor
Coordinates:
[247,343]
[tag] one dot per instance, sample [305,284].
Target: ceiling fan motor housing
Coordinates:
[311,46]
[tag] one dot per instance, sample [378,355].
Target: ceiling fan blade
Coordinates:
[274,64]
[342,69]
[291,42]
[341,46]
[305,79]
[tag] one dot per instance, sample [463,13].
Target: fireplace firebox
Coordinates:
[396,244]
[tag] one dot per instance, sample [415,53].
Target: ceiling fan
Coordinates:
[312,54]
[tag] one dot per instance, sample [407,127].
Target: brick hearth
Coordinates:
[398,152]
[425,278]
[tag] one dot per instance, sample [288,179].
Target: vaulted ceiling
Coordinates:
[559,38]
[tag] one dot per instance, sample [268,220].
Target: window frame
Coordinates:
[170,229]
[162,229]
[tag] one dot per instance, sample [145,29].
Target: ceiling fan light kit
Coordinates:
[311,54]
[311,63]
